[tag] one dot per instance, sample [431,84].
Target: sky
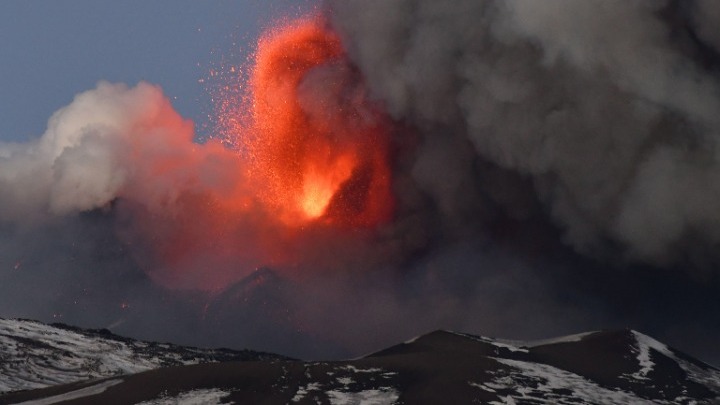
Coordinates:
[53,50]
[549,172]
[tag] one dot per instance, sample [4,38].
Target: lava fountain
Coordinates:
[320,147]
[309,165]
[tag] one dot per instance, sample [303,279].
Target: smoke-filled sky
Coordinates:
[325,179]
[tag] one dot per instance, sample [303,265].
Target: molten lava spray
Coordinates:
[311,161]
[317,144]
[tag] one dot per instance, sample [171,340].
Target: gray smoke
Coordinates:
[94,150]
[605,106]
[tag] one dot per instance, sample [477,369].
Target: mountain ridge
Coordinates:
[609,366]
[36,355]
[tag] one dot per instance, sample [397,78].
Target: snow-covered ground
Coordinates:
[632,368]
[77,394]
[532,382]
[382,396]
[644,347]
[36,355]
[344,389]
[214,396]
[562,339]
[527,382]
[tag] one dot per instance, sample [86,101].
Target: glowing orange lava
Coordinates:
[318,145]
[309,160]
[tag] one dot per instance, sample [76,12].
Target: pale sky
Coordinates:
[52,50]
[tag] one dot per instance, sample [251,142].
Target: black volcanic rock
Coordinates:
[608,367]
[262,302]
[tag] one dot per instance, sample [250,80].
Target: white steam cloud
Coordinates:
[82,161]
[111,142]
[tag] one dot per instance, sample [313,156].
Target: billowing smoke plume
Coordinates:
[80,163]
[517,168]
[111,142]
[609,108]
[128,146]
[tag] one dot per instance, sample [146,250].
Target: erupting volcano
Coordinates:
[308,159]
[363,173]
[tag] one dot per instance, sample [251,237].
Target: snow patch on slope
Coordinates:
[540,383]
[213,396]
[513,346]
[708,377]
[81,393]
[381,396]
[347,386]
[562,339]
[523,346]
[643,345]
[303,391]
[34,355]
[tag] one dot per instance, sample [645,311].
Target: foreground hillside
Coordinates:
[608,367]
[36,355]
